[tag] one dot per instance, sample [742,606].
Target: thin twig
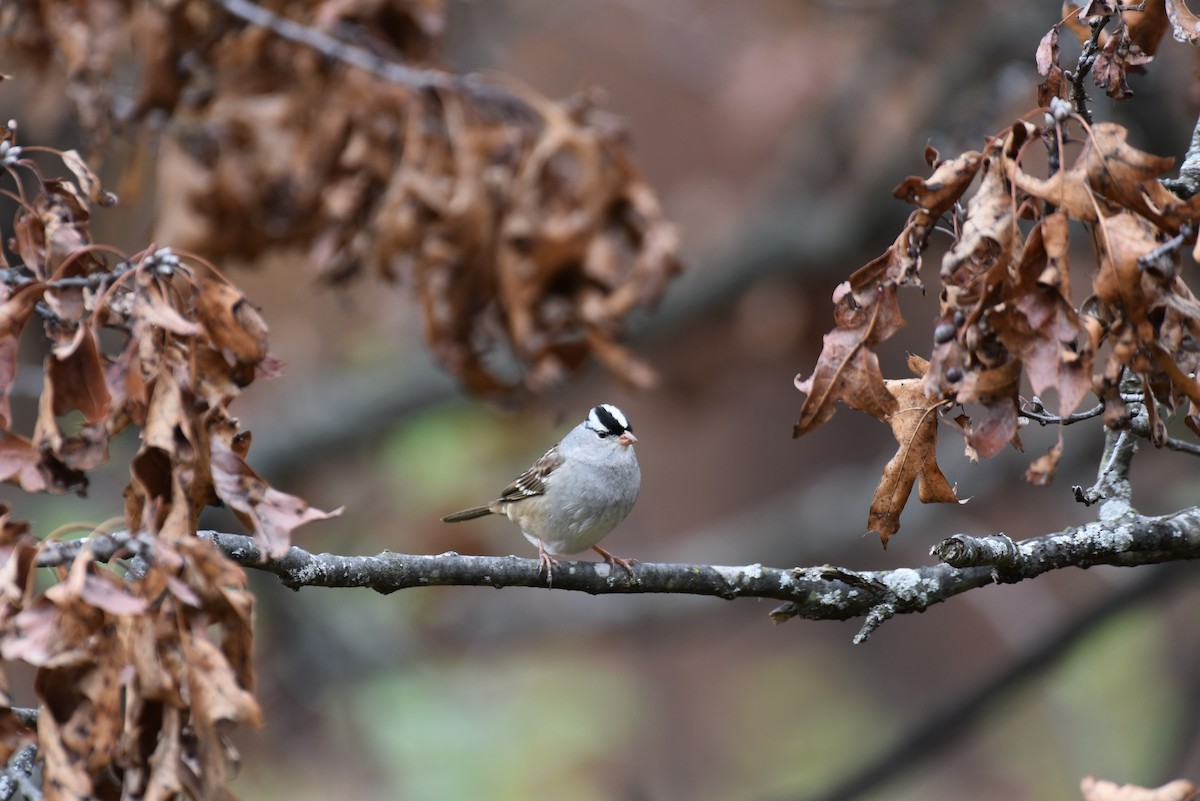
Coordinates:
[1163,258]
[104,547]
[1112,480]
[1087,57]
[334,48]
[1035,413]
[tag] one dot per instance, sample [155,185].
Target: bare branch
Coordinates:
[1087,58]
[963,550]
[336,49]
[1034,410]
[814,593]
[1140,425]
[17,775]
[104,547]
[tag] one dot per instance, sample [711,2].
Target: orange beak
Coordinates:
[627,439]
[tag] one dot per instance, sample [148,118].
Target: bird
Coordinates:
[575,494]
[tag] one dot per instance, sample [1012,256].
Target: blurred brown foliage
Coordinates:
[521,224]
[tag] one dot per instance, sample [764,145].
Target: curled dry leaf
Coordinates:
[934,197]
[16,307]
[1121,50]
[1042,326]
[1041,471]
[914,422]
[270,514]
[848,370]
[19,464]
[1107,168]
[1054,81]
[1146,27]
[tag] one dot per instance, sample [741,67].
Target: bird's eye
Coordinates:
[602,434]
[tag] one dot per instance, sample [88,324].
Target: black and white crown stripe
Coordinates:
[608,420]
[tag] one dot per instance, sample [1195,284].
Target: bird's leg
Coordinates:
[616,560]
[547,562]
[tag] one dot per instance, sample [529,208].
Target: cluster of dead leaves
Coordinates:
[1007,311]
[139,682]
[137,679]
[521,225]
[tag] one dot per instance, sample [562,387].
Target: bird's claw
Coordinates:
[548,563]
[616,560]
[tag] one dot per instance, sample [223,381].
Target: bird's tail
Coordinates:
[467,514]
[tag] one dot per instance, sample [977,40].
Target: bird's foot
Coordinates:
[548,563]
[616,560]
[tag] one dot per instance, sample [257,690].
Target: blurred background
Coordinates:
[774,132]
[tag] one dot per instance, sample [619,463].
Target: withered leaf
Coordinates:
[88,182]
[166,760]
[1054,83]
[153,306]
[216,698]
[1050,338]
[105,591]
[78,379]
[938,193]
[19,463]
[987,238]
[996,388]
[934,196]
[64,770]
[1041,472]
[1146,27]
[233,325]
[1047,52]
[270,514]
[15,310]
[1107,166]
[1119,282]
[914,425]
[848,370]
[1115,56]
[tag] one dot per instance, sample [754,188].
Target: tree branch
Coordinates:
[16,775]
[814,593]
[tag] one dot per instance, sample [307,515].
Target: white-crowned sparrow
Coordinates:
[569,499]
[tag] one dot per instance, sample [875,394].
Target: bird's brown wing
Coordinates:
[533,481]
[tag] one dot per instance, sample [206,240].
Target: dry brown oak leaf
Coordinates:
[847,369]
[914,421]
